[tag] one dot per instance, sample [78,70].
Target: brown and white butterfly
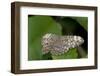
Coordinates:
[57,45]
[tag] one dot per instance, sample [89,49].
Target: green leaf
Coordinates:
[83,21]
[37,27]
[71,54]
[47,56]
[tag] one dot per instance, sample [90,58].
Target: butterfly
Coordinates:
[57,44]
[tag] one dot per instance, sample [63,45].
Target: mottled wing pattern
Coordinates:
[58,45]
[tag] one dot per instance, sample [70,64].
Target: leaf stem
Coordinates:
[81,52]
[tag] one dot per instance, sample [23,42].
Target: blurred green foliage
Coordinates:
[71,54]
[39,26]
[82,20]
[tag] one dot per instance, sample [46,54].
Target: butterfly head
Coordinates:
[78,40]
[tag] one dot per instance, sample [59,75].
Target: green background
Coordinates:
[39,26]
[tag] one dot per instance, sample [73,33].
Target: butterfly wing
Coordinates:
[59,47]
[63,44]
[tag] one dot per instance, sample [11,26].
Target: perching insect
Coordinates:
[58,45]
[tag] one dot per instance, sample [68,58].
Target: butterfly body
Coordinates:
[58,45]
